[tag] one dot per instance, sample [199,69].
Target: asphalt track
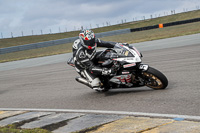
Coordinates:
[49,83]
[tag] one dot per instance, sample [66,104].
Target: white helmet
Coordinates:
[87,38]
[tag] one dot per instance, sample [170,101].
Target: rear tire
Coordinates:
[105,86]
[155,79]
[104,90]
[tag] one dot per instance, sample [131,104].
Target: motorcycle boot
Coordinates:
[96,84]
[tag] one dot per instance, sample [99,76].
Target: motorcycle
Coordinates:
[130,71]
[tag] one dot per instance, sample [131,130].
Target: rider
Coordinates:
[84,52]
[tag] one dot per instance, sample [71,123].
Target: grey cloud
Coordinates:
[43,14]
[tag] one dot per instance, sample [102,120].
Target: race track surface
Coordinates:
[52,85]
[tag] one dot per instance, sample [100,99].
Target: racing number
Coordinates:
[144,67]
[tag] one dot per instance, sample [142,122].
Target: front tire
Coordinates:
[155,79]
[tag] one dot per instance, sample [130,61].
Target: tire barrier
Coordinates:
[181,22]
[166,25]
[144,28]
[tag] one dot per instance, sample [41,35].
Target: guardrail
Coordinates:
[57,42]
[99,35]
[36,45]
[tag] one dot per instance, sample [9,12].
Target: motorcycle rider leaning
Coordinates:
[84,52]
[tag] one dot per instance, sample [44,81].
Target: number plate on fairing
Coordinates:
[143,67]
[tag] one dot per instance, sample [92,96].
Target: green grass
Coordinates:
[148,35]
[133,37]
[40,38]
[14,129]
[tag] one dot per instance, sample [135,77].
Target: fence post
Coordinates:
[11,34]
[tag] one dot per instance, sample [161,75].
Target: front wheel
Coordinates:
[155,79]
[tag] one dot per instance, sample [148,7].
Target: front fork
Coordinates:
[138,77]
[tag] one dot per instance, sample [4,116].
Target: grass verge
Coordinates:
[40,38]
[133,37]
[14,129]
[155,34]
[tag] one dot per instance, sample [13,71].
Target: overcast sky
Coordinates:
[32,16]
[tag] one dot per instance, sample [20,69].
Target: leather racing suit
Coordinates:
[84,62]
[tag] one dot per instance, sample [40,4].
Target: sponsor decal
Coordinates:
[126,53]
[126,79]
[124,59]
[75,46]
[129,65]
[82,55]
[125,72]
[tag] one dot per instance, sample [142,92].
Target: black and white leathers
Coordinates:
[84,58]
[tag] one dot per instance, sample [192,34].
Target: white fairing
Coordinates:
[134,59]
[121,79]
[131,59]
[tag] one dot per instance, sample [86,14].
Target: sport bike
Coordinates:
[130,71]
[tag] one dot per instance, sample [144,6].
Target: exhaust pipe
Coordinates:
[83,81]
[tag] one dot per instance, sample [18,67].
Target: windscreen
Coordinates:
[122,51]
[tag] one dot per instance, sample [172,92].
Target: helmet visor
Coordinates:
[90,42]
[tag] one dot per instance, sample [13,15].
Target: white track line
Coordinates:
[140,114]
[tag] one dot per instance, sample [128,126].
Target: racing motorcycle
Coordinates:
[130,71]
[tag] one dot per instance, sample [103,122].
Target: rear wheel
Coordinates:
[103,90]
[155,79]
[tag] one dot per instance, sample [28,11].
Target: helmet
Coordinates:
[87,38]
